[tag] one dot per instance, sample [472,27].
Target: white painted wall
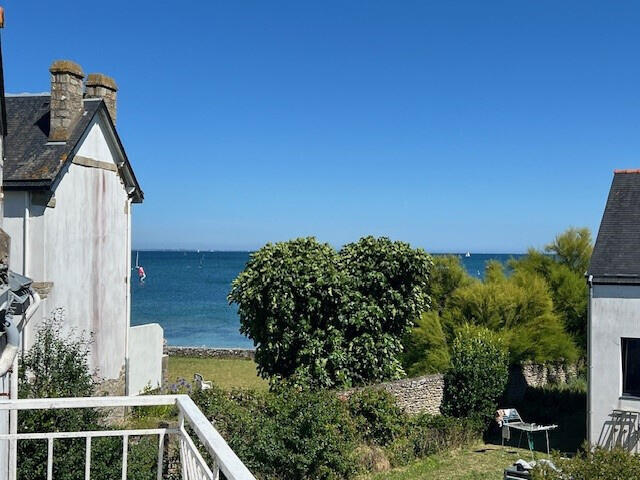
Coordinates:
[614,314]
[145,357]
[81,246]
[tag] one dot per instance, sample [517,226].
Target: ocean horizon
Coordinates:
[186,293]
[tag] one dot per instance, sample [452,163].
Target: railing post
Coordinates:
[87,460]
[160,455]
[125,454]
[50,459]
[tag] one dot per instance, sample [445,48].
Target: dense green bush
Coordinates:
[57,366]
[324,318]
[288,433]
[377,418]
[593,464]
[478,374]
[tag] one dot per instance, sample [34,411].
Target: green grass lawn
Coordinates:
[226,373]
[483,462]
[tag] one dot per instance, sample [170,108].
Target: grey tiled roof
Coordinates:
[29,159]
[616,255]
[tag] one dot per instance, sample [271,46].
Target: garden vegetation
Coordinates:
[325,318]
[537,305]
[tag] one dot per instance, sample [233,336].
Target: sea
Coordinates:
[186,293]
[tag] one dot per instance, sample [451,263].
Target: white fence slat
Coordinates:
[226,458]
[125,454]
[96,433]
[87,402]
[198,466]
[50,459]
[160,455]
[87,459]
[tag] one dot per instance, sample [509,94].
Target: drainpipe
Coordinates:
[589,367]
[25,234]
[128,300]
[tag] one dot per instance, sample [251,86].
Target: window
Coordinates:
[631,366]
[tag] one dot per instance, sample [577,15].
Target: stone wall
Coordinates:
[414,395]
[424,394]
[203,352]
[537,375]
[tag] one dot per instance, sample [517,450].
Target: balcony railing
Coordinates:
[192,464]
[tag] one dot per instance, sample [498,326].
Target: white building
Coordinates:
[68,191]
[614,319]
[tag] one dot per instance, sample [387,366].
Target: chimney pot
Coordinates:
[103,86]
[66,98]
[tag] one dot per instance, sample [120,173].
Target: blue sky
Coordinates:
[463,125]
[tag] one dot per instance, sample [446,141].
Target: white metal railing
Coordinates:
[192,464]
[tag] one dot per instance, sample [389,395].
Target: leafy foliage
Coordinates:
[57,366]
[568,290]
[427,434]
[425,347]
[377,417]
[478,374]
[312,434]
[447,275]
[573,249]
[325,318]
[592,464]
[289,433]
[520,307]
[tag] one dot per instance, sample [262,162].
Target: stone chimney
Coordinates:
[66,98]
[101,86]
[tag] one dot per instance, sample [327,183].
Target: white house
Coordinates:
[614,319]
[68,192]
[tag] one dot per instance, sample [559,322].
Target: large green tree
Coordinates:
[324,318]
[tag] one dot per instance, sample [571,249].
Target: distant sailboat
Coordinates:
[467,254]
[141,274]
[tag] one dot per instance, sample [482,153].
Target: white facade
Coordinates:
[614,314]
[78,244]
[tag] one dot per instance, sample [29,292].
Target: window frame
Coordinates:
[624,354]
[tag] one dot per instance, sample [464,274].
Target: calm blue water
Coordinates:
[186,293]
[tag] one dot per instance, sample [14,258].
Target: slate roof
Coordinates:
[31,161]
[616,254]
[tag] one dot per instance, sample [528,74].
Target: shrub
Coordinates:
[593,464]
[325,318]
[289,433]
[478,374]
[426,434]
[377,418]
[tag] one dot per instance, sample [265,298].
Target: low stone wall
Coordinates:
[414,395]
[424,394]
[204,352]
